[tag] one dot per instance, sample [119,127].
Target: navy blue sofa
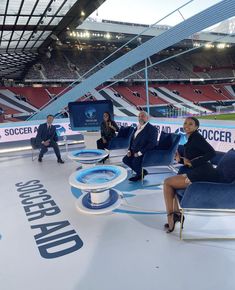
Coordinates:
[163,154]
[212,196]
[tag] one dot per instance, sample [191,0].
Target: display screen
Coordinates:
[87,116]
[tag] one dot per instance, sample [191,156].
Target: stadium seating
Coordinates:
[203,95]
[72,63]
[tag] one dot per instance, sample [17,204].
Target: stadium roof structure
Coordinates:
[28,27]
[117,30]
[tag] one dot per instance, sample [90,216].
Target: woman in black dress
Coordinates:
[197,154]
[108,129]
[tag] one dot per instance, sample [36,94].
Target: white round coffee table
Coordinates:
[97,184]
[88,156]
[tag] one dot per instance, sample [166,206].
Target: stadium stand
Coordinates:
[169,70]
[206,96]
[72,63]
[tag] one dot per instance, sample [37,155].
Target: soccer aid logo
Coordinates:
[183,136]
[60,130]
[90,113]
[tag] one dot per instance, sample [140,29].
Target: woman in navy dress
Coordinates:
[197,167]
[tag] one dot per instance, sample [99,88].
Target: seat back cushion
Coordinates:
[226,166]
[123,132]
[217,158]
[165,141]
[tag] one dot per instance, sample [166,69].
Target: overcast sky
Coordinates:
[150,11]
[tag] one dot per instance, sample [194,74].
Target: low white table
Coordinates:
[97,184]
[88,157]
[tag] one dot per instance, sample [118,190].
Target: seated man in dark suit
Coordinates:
[47,137]
[144,139]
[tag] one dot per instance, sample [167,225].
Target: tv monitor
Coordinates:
[88,115]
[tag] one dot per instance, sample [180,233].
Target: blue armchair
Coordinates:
[122,140]
[164,153]
[211,196]
[34,146]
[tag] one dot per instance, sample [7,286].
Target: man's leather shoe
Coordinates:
[138,177]
[60,161]
[145,172]
[39,159]
[135,178]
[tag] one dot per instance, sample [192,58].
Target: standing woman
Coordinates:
[108,129]
[197,154]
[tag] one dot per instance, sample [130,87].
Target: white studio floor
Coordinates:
[126,249]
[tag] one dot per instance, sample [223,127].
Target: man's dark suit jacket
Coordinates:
[44,134]
[145,140]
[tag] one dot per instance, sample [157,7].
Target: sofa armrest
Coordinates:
[209,195]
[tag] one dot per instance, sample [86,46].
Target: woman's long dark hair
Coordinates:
[108,115]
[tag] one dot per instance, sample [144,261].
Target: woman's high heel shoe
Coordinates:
[170,230]
[176,218]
